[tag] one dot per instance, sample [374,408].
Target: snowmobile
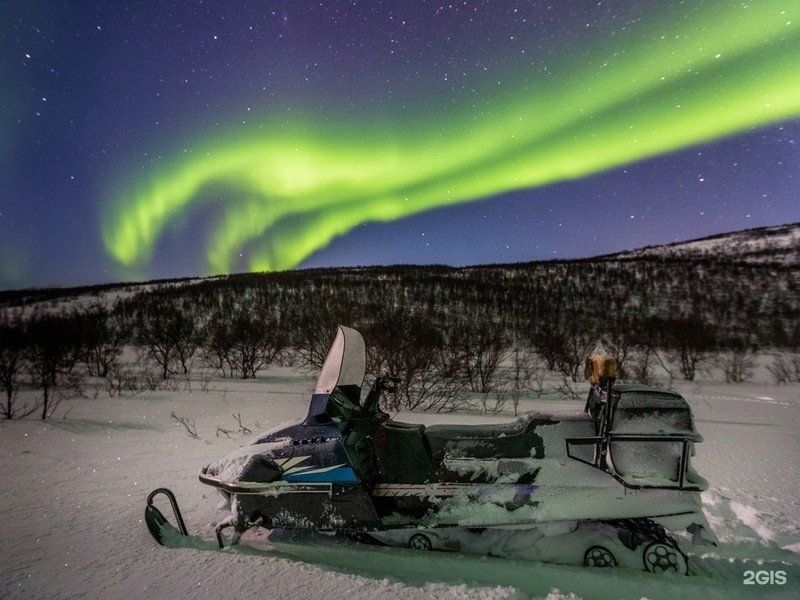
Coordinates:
[622,464]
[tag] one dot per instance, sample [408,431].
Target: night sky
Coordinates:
[155,139]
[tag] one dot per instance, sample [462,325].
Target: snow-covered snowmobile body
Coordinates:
[348,467]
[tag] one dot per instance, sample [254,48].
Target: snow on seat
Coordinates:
[517,439]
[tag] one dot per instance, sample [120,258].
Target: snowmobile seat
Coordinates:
[402,453]
[517,439]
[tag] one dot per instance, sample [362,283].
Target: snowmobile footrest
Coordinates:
[157,522]
[218,531]
[226,524]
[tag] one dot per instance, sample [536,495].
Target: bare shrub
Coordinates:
[642,365]
[242,429]
[51,352]
[483,345]
[568,388]
[690,341]
[414,349]
[105,336]
[525,373]
[168,333]
[737,365]
[223,431]
[241,341]
[12,341]
[188,424]
[785,368]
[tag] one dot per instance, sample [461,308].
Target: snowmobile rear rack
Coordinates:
[654,426]
[602,460]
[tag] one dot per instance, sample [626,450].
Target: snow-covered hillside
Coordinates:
[778,245]
[74,491]
[764,245]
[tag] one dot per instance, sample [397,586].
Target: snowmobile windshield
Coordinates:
[345,365]
[338,388]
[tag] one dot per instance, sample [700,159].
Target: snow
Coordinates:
[74,492]
[773,245]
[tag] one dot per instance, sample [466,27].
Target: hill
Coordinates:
[735,293]
[763,245]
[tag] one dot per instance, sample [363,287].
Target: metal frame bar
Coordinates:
[600,441]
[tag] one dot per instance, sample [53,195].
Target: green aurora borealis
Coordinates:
[288,192]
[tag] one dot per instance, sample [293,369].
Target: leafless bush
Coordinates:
[525,373]
[168,333]
[105,336]
[205,384]
[241,340]
[188,424]
[51,352]
[785,368]
[414,349]
[176,384]
[564,339]
[312,325]
[123,379]
[568,388]
[11,368]
[222,431]
[690,342]
[737,365]
[620,343]
[495,402]
[242,429]
[482,346]
[642,365]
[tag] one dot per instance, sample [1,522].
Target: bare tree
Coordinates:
[168,333]
[311,324]
[218,345]
[105,336]
[12,342]
[525,373]
[413,348]
[620,342]
[785,368]
[690,342]
[244,342]
[483,346]
[550,341]
[52,350]
[737,364]
[579,341]
[642,364]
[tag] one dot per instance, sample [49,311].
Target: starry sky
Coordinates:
[158,139]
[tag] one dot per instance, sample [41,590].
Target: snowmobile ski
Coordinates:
[157,523]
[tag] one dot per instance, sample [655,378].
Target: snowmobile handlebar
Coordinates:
[382,383]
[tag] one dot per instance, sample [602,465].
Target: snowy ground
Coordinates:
[73,493]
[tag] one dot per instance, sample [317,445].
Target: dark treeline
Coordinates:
[727,304]
[445,331]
